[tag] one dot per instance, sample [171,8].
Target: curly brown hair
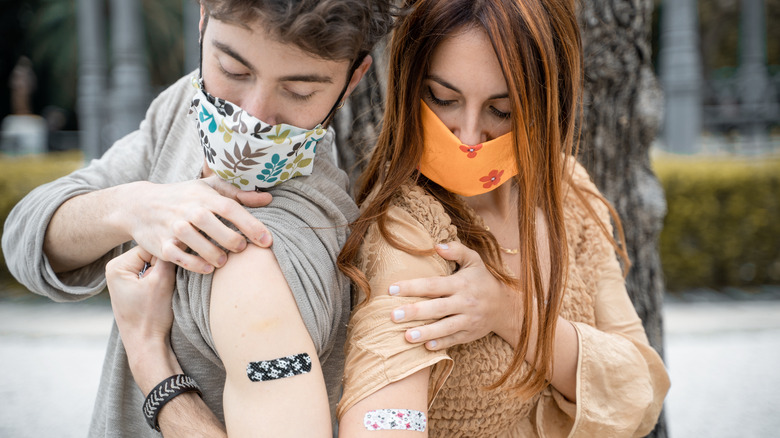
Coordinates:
[331,29]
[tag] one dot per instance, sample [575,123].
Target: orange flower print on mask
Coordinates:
[471,151]
[493,179]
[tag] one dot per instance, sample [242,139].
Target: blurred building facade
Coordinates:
[125,78]
[739,109]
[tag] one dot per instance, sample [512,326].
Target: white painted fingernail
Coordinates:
[394,290]
[443,246]
[415,334]
[432,344]
[398,315]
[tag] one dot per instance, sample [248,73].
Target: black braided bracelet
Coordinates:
[164,392]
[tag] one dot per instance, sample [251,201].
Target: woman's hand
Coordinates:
[141,303]
[468,304]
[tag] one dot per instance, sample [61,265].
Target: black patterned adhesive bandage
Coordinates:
[288,366]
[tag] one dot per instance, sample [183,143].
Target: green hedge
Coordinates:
[722,227]
[20,174]
[723,222]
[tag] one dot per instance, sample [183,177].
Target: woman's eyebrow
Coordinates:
[446,84]
[224,48]
[443,83]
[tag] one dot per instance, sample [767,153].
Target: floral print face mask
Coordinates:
[462,169]
[247,152]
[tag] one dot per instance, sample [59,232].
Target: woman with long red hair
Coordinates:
[476,157]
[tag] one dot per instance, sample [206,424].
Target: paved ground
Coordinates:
[723,357]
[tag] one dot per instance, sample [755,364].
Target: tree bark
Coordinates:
[358,122]
[622,110]
[622,106]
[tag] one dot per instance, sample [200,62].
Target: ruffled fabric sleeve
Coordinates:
[377,353]
[621,379]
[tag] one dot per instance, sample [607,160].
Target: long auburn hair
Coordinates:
[537,43]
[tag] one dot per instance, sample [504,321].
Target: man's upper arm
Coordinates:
[274,381]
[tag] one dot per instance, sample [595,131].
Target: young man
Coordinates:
[282,62]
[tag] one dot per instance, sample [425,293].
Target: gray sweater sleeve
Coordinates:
[131,158]
[309,219]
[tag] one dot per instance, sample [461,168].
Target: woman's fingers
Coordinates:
[442,331]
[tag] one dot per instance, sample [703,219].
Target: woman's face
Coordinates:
[466,89]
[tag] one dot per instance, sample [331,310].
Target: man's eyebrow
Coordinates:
[307,78]
[230,52]
[446,84]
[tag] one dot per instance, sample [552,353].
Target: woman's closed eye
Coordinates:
[436,101]
[500,114]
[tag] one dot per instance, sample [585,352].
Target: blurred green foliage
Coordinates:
[723,222]
[20,174]
[722,227]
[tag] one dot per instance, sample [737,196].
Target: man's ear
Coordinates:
[360,71]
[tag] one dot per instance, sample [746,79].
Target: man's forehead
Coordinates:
[258,49]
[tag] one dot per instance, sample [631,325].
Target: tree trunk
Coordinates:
[622,110]
[358,122]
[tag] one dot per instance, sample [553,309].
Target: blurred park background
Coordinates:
[75,75]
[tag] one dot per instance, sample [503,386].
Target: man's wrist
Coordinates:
[118,216]
[151,362]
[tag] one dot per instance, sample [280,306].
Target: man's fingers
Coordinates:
[190,236]
[191,262]
[161,270]
[459,253]
[249,199]
[254,199]
[237,215]
[131,261]
[206,222]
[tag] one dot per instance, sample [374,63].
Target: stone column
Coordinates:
[191,17]
[754,87]
[130,75]
[680,68]
[92,77]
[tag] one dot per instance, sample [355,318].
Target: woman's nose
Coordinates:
[470,133]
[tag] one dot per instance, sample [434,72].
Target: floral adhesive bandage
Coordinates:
[395,419]
[280,368]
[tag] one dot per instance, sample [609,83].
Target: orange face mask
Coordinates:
[465,170]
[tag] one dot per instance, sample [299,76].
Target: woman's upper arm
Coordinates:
[396,409]
[383,371]
[274,382]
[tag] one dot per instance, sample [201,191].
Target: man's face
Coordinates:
[272,81]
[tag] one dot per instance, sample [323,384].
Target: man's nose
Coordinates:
[261,105]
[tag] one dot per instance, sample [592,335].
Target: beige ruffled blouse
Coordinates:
[621,380]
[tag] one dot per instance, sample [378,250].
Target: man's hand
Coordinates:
[172,217]
[468,304]
[141,302]
[142,308]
